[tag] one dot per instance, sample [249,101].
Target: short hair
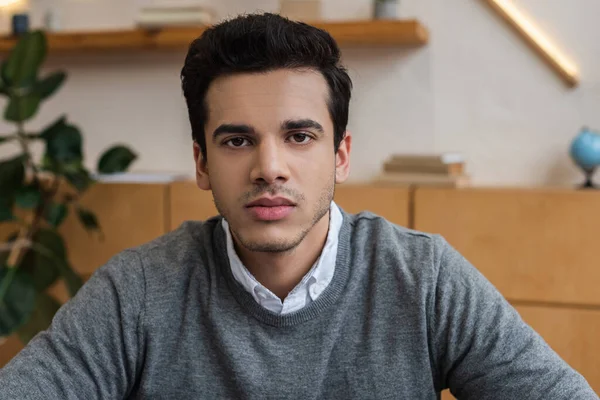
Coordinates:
[262,43]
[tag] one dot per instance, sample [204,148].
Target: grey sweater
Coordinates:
[404,317]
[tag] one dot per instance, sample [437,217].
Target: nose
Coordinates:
[270,164]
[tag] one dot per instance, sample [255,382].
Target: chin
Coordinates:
[268,242]
[270,246]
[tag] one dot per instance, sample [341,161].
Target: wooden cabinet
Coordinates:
[391,202]
[188,202]
[538,247]
[534,245]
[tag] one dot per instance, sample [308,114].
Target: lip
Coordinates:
[271,202]
[271,208]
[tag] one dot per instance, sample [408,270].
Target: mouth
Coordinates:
[271,208]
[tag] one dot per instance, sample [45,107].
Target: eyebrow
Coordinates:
[306,123]
[244,129]
[241,129]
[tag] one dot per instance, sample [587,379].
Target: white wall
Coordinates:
[476,88]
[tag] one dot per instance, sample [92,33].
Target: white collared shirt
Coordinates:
[311,286]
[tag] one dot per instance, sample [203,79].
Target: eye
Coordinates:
[301,138]
[237,142]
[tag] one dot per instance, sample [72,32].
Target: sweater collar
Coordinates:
[324,301]
[313,283]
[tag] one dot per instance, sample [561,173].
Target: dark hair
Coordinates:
[262,43]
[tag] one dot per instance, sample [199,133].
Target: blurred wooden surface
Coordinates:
[129,215]
[534,245]
[188,202]
[447,396]
[391,202]
[368,32]
[8,349]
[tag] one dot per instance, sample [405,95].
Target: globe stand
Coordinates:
[589,183]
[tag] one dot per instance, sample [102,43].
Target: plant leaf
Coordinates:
[12,173]
[4,73]
[88,219]
[63,143]
[49,85]
[80,178]
[25,59]
[28,197]
[44,310]
[6,206]
[50,130]
[56,214]
[22,108]
[42,261]
[50,246]
[17,302]
[116,159]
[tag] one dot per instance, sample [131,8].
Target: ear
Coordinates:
[342,159]
[201,168]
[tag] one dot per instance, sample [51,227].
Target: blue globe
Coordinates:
[585,149]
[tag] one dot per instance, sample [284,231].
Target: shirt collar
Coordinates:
[319,276]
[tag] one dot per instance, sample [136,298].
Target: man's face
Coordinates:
[270,162]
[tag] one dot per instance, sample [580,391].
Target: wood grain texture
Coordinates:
[188,202]
[129,215]
[396,32]
[532,244]
[9,347]
[391,203]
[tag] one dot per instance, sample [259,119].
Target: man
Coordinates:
[285,296]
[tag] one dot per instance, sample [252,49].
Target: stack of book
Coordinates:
[446,169]
[152,15]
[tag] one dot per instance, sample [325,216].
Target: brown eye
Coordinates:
[300,138]
[236,142]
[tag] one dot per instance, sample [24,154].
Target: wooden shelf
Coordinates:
[393,33]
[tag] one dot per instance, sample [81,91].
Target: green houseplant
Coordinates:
[37,195]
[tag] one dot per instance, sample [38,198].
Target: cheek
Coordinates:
[315,168]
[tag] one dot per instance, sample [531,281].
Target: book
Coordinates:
[426,159]
[423,179]
[453,169]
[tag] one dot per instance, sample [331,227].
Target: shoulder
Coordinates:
[382,233]
[169,256]
[404,252]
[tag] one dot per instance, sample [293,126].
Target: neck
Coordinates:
[281,272]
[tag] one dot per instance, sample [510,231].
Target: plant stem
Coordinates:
[22,136]
[26,232]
